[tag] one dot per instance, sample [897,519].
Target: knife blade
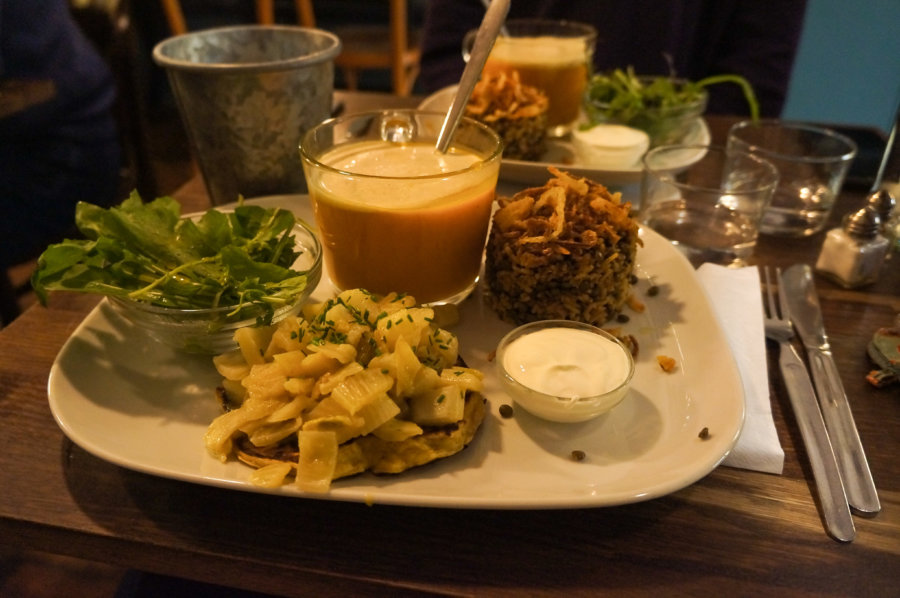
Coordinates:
[806,315]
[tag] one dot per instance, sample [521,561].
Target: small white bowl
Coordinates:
[564,371]
[610,146]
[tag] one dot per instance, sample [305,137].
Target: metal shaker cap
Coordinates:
[863,223]
[883,202]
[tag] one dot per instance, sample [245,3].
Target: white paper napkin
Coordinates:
[737,301]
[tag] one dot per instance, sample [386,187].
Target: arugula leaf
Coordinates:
[148,252]
[648,103]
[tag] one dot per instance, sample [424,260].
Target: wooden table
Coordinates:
[733,532]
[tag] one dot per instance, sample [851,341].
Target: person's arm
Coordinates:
[20,94]
[757,39]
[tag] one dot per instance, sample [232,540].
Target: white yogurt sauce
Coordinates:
[610,146]
[567,362]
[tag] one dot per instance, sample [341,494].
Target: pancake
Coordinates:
[370,453]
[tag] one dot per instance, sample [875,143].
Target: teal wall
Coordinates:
[848,65]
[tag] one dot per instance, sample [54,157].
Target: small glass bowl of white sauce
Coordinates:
[564,371]
[610,146]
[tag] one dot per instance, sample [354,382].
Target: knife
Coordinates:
[803,304]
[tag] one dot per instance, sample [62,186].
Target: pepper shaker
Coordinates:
[892,231]
[853,253]
[883,202]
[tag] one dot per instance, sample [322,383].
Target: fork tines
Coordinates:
[774,309]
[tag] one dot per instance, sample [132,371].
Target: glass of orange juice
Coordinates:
[554,56]
[394,214]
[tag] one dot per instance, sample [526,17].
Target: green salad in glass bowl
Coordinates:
[189,282]
[663,107]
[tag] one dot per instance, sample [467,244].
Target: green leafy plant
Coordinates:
[147,252]
[655,105]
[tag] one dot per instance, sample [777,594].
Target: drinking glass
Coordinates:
[395,215]
[711,208]
[553,56]
[812,163]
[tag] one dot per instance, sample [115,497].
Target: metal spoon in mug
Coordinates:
[487,5]
[484,41]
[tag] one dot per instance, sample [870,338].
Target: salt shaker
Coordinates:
[852,254]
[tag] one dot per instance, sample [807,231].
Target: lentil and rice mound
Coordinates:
[565,250]
[516,112]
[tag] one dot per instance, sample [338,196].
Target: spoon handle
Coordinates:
[888,154]
[487,5]
[484,41]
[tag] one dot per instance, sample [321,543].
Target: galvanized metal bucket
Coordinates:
[247,94]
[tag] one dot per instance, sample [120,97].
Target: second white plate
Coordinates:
[562,155]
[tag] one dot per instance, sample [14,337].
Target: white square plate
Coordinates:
[138,404]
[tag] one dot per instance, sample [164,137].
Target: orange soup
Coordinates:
[408,220]
[558,66]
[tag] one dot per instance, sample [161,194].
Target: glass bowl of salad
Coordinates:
[187,282]
[211,331]
[663,107]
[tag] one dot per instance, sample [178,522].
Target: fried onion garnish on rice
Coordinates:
[564,250]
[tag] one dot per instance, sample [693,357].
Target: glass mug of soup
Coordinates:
[553,56]
[394,214]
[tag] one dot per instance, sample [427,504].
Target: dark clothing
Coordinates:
[753,38]
[58,148]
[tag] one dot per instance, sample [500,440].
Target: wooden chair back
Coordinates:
[389,47]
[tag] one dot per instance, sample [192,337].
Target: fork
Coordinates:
[830,487]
